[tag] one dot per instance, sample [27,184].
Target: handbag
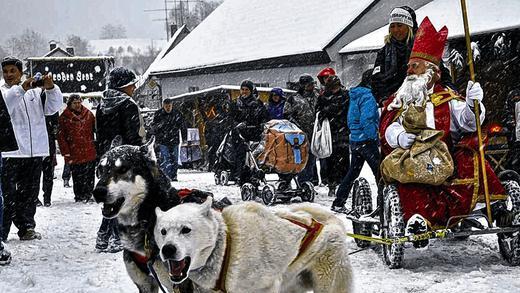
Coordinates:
[321,144]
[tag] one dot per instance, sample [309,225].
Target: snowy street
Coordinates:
[65,259]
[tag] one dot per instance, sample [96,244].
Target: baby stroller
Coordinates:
[284,151]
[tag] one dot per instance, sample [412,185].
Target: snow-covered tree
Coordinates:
[80,45]
[28,44]
[112,31]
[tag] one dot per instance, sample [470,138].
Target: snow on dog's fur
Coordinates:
[263,256]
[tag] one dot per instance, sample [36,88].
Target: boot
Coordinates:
[332,190]
[66,183]
[29,234]
[5,257]
[101,243]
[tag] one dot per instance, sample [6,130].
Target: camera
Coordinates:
[38,80]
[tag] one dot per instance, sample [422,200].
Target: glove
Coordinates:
[474,93]
[405,140]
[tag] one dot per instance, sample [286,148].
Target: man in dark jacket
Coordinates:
[7,144]
[512,123]
[363,123]
[48,163]
[167,122]
[117,114]
[300,109]
[249,114]
[333,105]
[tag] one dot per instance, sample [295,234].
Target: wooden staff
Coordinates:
[477,113]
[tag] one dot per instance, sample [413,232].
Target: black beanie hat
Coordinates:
[120,77]
[10,60]
[248,84]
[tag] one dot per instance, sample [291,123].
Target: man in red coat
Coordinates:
[448,111]
[76,141]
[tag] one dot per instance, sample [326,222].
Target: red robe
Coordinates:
[459,195]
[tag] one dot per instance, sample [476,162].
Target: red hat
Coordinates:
[429,44]
[327,71]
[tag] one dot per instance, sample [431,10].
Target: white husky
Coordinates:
[248,248]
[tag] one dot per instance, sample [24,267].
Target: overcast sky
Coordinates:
[56,19]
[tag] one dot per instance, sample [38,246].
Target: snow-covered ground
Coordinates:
[65,259]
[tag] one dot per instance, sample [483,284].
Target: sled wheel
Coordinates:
[224,177]
[217,178]
[393,226]
[509,243]
[247,191]
[308,192]
[362,205]
[268,195]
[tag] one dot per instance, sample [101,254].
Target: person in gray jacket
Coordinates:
[27,103]
[300,109]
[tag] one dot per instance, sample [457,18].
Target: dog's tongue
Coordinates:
[176,267]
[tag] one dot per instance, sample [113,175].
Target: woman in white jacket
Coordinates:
[27,105]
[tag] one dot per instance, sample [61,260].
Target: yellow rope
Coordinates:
[400,240]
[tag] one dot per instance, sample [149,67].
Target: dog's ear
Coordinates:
[206,207]
[148,149]
[117,141]
[158,212]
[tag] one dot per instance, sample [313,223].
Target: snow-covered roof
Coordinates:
[138,45]
[159,56]
[483,16]
[223,87]
[239,31]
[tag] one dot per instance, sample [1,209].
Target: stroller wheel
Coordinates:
[268,195]
[224,177]
[248,191]
[217,178]
[308,192]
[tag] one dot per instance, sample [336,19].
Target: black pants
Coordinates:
[20,186]
[361,151]
[337,165]
[83,180]
[48,177]
[66,172]
[108,229]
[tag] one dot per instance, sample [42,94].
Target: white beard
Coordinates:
[414,90]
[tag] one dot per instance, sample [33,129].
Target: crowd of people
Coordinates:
[365,126]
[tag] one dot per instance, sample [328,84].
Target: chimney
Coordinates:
[173,29]
[52,45]
[70,50]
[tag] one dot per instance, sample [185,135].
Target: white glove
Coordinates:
[474,93]
[405,139]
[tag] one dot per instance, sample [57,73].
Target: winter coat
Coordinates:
[166,126]
[28,118]
[276,109]
[390,68]
[335,108]
[300,109]
[118,114]
[8,141]
[363,116]
[251,111]
[76,136]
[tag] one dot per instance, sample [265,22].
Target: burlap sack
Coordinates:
[428,161]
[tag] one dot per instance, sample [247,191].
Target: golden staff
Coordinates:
[477,112]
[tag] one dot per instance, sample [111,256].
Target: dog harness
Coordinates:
[313,231]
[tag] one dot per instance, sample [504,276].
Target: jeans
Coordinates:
[361,151]
[169,160]
[307,174]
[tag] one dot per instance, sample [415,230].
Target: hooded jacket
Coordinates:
[276,109]
[76,136]
[252,112]
[166,126]
[28,118]
[118,114]
[363,116]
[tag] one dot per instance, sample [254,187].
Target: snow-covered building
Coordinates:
[270,42]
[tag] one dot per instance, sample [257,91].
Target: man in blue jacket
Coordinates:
[363,122]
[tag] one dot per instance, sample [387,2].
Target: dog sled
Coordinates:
[385,225]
